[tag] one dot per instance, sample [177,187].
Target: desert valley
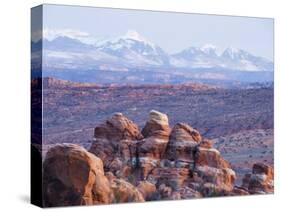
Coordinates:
[205,141]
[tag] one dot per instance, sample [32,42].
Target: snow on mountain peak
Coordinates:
[134,35]
[133,49]
[233,53]
[209,49]
[208,46]
[232,50]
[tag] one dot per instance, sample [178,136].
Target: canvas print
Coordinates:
[137,106]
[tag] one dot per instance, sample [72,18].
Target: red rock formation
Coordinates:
[184,132]
[170,176]
[206,143]
[261,180]
[182,143]
[162,164]
[185,192]
[117,128]
[214,181]
[115,143]
[73,176]
[147,189]
[210,157]
[124,191]
[192,161]
[261,168]
[157,125]
[152,148]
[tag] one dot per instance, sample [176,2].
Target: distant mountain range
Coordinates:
[132,53]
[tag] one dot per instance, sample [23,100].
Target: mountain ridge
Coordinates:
[134,59]
[133,50]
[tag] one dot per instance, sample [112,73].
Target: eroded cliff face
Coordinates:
[126,164]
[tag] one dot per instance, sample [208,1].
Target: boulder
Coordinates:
[124,191]
[261,181]
[184,132]
[157,125]
[73,176]
[210,157]
[260,184]
[182,143]
[218,179]
[115,142]
[261,168]
[147,189]
[152,147]
[117,128]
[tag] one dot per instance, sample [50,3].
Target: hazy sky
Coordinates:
[171,31]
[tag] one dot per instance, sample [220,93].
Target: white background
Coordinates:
[15,98]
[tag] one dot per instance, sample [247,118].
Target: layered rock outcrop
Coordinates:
[117,128]
[178,160]
[152,148]
[260,181]
[183,143]
[156,126]
[205,170]
[125,164]
[115,143]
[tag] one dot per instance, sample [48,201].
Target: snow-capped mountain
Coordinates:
[130,50]
[231,58]
[196,57]
[134,52]
[239,59]
[66,44]
[135,49]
